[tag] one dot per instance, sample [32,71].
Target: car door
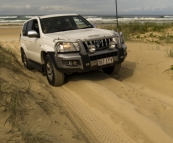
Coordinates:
[34,42]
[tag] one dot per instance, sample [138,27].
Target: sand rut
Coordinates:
[131,109]
[95,123]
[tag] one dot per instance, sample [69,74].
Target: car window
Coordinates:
[35,26]
[81,23]
[24,30]
[64,23]
[31,25]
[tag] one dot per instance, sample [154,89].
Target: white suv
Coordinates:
[66,43]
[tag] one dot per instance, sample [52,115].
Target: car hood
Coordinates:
[82,34]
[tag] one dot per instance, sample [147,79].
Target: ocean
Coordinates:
[20,19]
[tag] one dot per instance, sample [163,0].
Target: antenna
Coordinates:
[116,13]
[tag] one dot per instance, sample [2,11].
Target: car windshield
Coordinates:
[64,23]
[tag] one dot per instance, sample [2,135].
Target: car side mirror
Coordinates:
[32,34]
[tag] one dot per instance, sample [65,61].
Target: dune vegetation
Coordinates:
[144,32]
[158,33]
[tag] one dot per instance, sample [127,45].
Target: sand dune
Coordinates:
[133,106]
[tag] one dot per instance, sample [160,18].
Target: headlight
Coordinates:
[66,47]
[116,41]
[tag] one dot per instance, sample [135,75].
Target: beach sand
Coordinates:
[133,106]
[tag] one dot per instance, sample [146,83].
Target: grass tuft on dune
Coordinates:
[15,101]
[159,33]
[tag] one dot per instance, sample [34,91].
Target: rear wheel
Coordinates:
[54,77]
[113,69]
[25,61]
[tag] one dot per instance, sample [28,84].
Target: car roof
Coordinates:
[56,15]
[52,15]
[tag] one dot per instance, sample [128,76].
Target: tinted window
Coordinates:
[24,30]
[32,25]
[64,23]
[35,27]
[29,26]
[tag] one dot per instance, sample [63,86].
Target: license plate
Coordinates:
[105,61]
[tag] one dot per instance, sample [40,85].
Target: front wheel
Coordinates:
[54,77]
[113,69]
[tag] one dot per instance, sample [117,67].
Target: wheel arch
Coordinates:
[43,55]
[44,51]
[51,55]
[24,49]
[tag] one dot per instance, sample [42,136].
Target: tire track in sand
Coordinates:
[140,109]
[101,130]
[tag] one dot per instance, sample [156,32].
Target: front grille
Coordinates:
[100,44]
[92,58]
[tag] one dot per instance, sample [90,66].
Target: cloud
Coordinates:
[86,7]
[55,8]
[28,6]
[133,10]
[150,10]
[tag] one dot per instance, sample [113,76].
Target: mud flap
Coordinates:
[120,55]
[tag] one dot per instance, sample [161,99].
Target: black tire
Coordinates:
[54,77]
[25,61]
[113,69]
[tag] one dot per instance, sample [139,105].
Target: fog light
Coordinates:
[112,45]
[74,63]
[92,48]
[71,62]
[67,63]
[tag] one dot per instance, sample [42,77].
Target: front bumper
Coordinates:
[86,62]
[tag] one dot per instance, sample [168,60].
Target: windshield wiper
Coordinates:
[71,28]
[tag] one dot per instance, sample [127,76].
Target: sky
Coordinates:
[86,7]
